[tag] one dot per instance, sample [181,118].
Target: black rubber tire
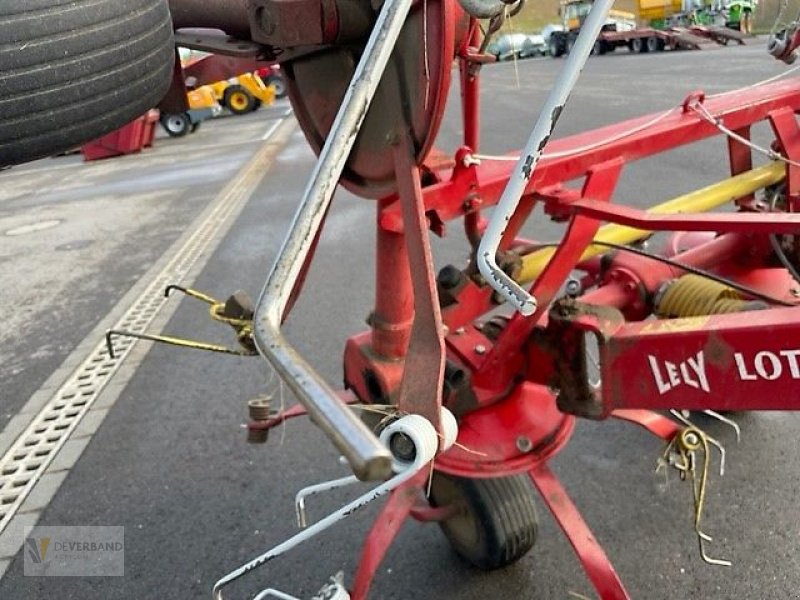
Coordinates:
[73,70]
[279,83]
[235,107]
[496,523]
[655,44]
[570,43]
[177,125]
[639,45]
[556,49]
[599,48]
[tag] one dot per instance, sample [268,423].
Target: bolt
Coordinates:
[402,447]
[449,277]
[573,287]
[524,444]
[257,436]
[692,439]
[460,331]
[260,408]
[480,349]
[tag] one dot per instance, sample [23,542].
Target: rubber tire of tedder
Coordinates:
[495,522]
[73,70]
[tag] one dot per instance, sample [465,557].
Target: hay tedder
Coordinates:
[482,371]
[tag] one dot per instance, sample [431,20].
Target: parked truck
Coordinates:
[674,29]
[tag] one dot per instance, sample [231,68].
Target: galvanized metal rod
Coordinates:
[367,457]
[518,297]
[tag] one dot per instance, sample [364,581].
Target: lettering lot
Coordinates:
[765,365]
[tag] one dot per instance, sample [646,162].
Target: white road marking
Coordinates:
[74,411]
[274,126]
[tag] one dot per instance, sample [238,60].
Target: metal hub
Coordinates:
[410,99]
[509,437]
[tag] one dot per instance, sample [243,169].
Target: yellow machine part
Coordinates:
[202,97]
[696,296]
[652,10]
[253,84]
[701,200]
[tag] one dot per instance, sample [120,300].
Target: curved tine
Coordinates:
[325,486]
[730,422]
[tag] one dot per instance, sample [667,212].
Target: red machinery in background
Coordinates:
[601,329]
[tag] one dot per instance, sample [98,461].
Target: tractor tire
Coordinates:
[570,43]
[495,524]
[177,125]
[279,84]
[555,47]
[73,70]
[238,100]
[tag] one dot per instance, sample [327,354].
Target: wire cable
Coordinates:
[740,287]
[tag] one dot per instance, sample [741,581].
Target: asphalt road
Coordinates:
[170,463]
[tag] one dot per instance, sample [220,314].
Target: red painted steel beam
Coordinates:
[682,127]
[739,361]
[721,222]
[598,568]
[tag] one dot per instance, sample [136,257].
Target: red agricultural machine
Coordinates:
[478,374]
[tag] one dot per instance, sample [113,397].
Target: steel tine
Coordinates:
[730,422]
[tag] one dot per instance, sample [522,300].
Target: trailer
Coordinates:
[621,31]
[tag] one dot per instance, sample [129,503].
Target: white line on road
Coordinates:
[73,412]
[274,126]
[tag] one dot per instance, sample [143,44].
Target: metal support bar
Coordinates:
[367,457]
[700,200]
[423,375]
[384,531]
[598,568]
[720,222]
[518,297]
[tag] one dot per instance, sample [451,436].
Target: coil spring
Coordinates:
[695,296]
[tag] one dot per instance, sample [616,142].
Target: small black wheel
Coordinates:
[72,71]
[638,45]
[238,100]
[176,125]
[279,83]
[195,127]
[495,524]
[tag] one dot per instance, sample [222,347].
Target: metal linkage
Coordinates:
[424,441]
[498,279]
[368,459]
[236,311]
[682,453]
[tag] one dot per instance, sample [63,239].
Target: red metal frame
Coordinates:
[516,387]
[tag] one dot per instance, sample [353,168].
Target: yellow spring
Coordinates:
[695,296]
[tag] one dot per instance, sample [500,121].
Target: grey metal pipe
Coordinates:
[228,15]
[368,458]
[517,296]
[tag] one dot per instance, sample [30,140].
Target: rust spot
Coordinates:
[718,353]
